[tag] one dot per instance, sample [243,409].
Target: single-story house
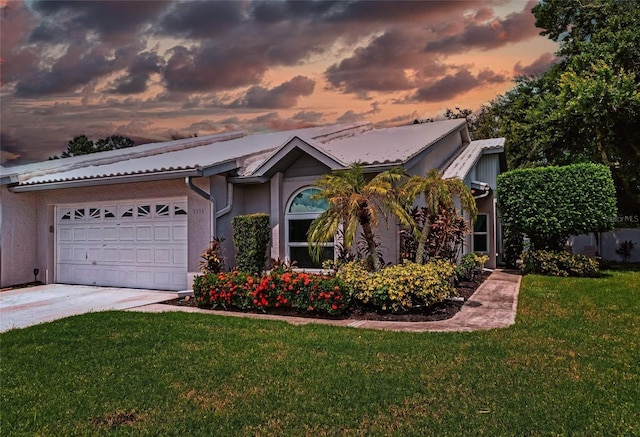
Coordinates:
[142,216]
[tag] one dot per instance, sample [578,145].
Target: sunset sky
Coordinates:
[156,69]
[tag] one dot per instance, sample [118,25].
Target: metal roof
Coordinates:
[249,156]
[183,155]
[464,162]
[393,145]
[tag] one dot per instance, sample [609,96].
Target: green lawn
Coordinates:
[570,366]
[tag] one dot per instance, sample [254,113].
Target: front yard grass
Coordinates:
[570,366]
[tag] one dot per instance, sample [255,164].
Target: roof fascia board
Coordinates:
[145,177]
[488,150]
[221,167]
[248,179]
[286,148]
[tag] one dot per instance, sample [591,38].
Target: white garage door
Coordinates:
[132,244]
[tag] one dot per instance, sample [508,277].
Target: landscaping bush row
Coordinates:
[394,289]
[400,287]
[299,291]
[550,263]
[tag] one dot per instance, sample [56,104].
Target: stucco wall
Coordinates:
[19,239]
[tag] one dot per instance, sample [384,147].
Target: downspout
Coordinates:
[229,205]
[209,197]
[215,214]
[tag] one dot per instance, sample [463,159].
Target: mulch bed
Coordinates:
[440,311]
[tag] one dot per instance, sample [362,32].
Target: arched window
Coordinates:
[301,211]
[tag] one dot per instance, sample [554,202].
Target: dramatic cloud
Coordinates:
[212,67]
[515,27]
[310,117]
[536,67]
[453,85]
[137,75]
[153,69]
[351,116]
[378,67]
[201,19]
[284,95]
[112,20]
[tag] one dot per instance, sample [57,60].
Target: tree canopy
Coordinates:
[585,107]
[81,145]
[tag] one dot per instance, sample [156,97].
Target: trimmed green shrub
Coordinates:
[400,287]
[470,265]
[251,236]
[299,291]
[513,242]
[549,204]
[549,263]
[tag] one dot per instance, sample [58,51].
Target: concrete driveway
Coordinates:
[30,306]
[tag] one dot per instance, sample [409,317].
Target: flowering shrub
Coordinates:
[400,287]
[279,289]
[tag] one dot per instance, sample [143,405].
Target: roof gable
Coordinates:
[290,152]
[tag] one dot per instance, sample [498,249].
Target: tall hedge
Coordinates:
[251,236]
[549,204]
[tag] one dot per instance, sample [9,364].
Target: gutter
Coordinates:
[90,182]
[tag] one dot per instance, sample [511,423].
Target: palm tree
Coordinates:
[439,194]
[355,201]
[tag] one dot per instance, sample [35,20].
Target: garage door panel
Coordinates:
[79,233]
[65,254]
[163,279]
[79,254]
[110,255]
[127,255]
[180,232]
[131,245]
[127,233]
[94,254]
[162,255]
[144,255]
[180,256]
[162,233]
[65,233]
[110,233]
[144,233]
[95,233]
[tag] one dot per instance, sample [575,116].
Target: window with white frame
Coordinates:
[301,211]
[481,234]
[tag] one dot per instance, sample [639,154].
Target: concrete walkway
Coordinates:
[31,306]
[492,306]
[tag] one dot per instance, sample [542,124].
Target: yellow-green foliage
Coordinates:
[400,287]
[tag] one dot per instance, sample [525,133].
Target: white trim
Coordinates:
[299,216]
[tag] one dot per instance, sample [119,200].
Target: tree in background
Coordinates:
[585,107]
[81,145]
